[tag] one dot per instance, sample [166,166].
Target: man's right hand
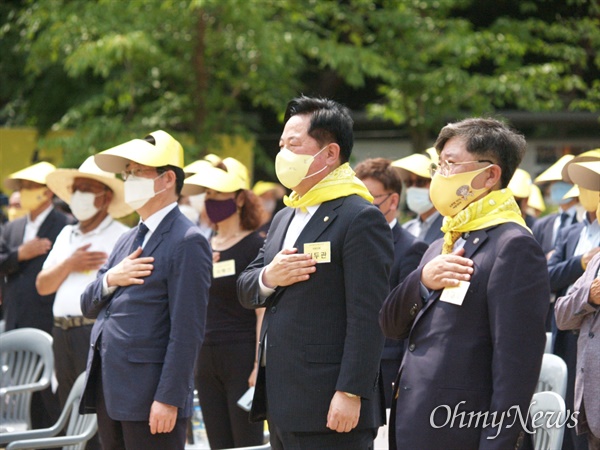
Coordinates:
[447,270]
[131,270]
[83,260]
[288,267]
[33,248]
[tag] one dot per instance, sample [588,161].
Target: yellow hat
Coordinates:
[586,174]
[210,177]
[61,180]
[416,163]
[592,155]
[260,187]
[36,173]
[166,151]
[520,184]
[196,166]
[553,173]
[572,193]
[433,154]
[536,199]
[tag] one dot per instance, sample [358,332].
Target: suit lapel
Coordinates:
[319,222]
[277,232]
[157,236]
[19,233]
[47,224]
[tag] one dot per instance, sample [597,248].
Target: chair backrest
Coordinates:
[26,366]
[548,415]
[79,424]
[553,375]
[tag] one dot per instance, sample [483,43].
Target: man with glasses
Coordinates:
[149,302]
[384,183]
[415,174]
[474,309]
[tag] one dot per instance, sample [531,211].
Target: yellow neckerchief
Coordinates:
[341,182]
[495,208]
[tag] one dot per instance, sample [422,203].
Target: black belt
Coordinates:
[64,323]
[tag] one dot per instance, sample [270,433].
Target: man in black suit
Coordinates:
[385,185]
[24,245]
[322,276]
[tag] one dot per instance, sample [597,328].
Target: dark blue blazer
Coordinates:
[147,335]
[564,267]
[23,306]
[322,334]
[486,352]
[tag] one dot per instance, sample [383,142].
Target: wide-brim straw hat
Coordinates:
[586,174]
[520,184]
[416,163]
[36,173]
[536,199]
[554,172]
[61,180]
[166,152]
[210,177]
[592,155]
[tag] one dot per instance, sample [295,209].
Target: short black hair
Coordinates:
[330,121]
[488,138]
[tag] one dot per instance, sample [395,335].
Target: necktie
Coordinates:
[139,237]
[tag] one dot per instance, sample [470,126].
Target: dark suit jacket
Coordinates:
[408,251]
[435,230]
[564,267]
[23,306]
[322,334]
[486,352]
[543,230]
[147,335]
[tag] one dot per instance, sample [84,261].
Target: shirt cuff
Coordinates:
[263,290]
[105,289]
[424,292]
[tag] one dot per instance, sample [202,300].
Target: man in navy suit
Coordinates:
[322,276]
[473,311]
[24,244]
[385,185]
[149,301]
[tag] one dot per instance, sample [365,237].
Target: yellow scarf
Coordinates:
[495,208]
[342,182]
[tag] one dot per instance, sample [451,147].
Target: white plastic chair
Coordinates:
[79,428]
[553,375]
[26,366]
[548,415]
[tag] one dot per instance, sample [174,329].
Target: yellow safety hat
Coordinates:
[61,180]
[210,177]
[166,152]
[586,174]
[36,173]
[416,163]
[553,173]
[536,199]
[520,184]
[592,155]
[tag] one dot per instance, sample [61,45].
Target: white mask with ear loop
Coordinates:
[82,205]
[138,190]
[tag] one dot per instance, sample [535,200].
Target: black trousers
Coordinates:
[222,373]
[130,435]
[353,440]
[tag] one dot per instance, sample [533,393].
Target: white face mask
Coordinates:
[417,200]
[292,168]
[82,205]
[138,190]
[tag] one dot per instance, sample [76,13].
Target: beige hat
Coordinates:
[208,176]
[433,154]
[36,173]
[260,187]
[572,193]
[592,155]
[61,180]
[553,173]
[520,184]
[416,163]
[166,152]
[536,199]
[586,174]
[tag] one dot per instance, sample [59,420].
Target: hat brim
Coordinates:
[212,178]
[36,173]
[592,155]
[61,180]
[572,193]
[416,163]
[586,174]
[553,173]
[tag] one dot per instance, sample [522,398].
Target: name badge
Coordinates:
[319,251]
[224,268]
[455,295]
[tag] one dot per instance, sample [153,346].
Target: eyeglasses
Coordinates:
[135,172]
[446,168]
[382,201]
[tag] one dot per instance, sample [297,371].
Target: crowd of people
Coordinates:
[321,300]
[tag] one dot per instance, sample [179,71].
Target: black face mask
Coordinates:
[219,210]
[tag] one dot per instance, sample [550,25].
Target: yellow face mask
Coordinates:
[32,198]
[588,199]
[453,193]
[14,212]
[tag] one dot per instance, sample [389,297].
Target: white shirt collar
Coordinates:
[393,223]
[155,219]
[39,220]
